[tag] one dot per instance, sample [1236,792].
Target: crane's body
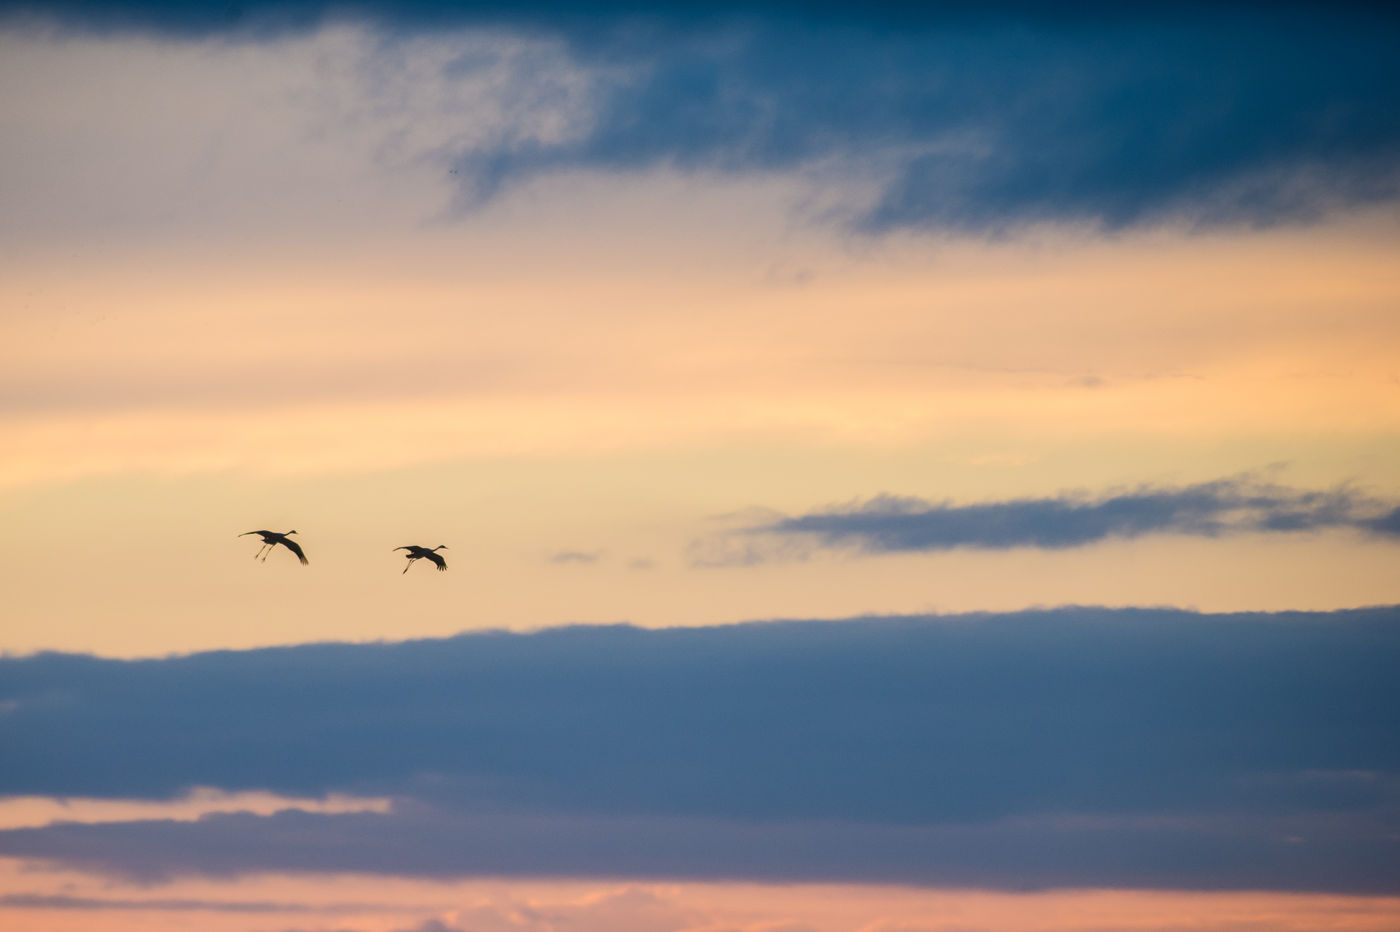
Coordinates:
[424,553]
[271,539]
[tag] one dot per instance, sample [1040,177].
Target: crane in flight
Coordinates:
[424,553]
[271,539]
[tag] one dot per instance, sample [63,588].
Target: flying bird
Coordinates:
[424,553]
[271,539]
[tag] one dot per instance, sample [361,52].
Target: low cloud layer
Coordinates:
[889,523]
[954,116]
[167,904]
[1065,748]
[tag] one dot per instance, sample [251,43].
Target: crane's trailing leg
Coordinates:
[424,553]
[271,539]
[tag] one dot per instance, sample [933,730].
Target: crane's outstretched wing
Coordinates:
[441,563]
[295,548]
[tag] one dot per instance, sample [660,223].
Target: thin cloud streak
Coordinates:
[23,811]
[102,904]
[1351,855]
[895,524]
[576,556]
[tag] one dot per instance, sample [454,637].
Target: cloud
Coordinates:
[576,556]
[17,811]
[93,904]
[1072,747]
[179,17]
[988,126]
[1387,524]
[949,116]
[1352,854]
[889,523]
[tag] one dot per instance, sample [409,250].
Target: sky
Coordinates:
[903,467]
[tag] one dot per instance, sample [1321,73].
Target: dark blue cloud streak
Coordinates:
[1050,748]
[1211,509]
[1340,855]
[1207,121]
[962,116]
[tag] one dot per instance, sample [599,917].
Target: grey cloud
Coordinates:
[889,523]
[1205,119]
[962,116]
[1107,747]
[914,720]
[1387,524]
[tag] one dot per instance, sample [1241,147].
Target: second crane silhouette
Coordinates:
[271,539]
[424,553]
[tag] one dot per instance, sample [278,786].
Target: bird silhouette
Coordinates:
[424,553]
[271,539]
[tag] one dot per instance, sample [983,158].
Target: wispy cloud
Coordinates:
[1062,748]
[576,556]
[890,523]
[20,811]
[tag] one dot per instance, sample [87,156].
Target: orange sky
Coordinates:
[413,396]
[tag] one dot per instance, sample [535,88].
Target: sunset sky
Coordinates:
[905,467]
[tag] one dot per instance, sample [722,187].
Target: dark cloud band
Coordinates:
[916,750]
[960,116]
[181,17]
